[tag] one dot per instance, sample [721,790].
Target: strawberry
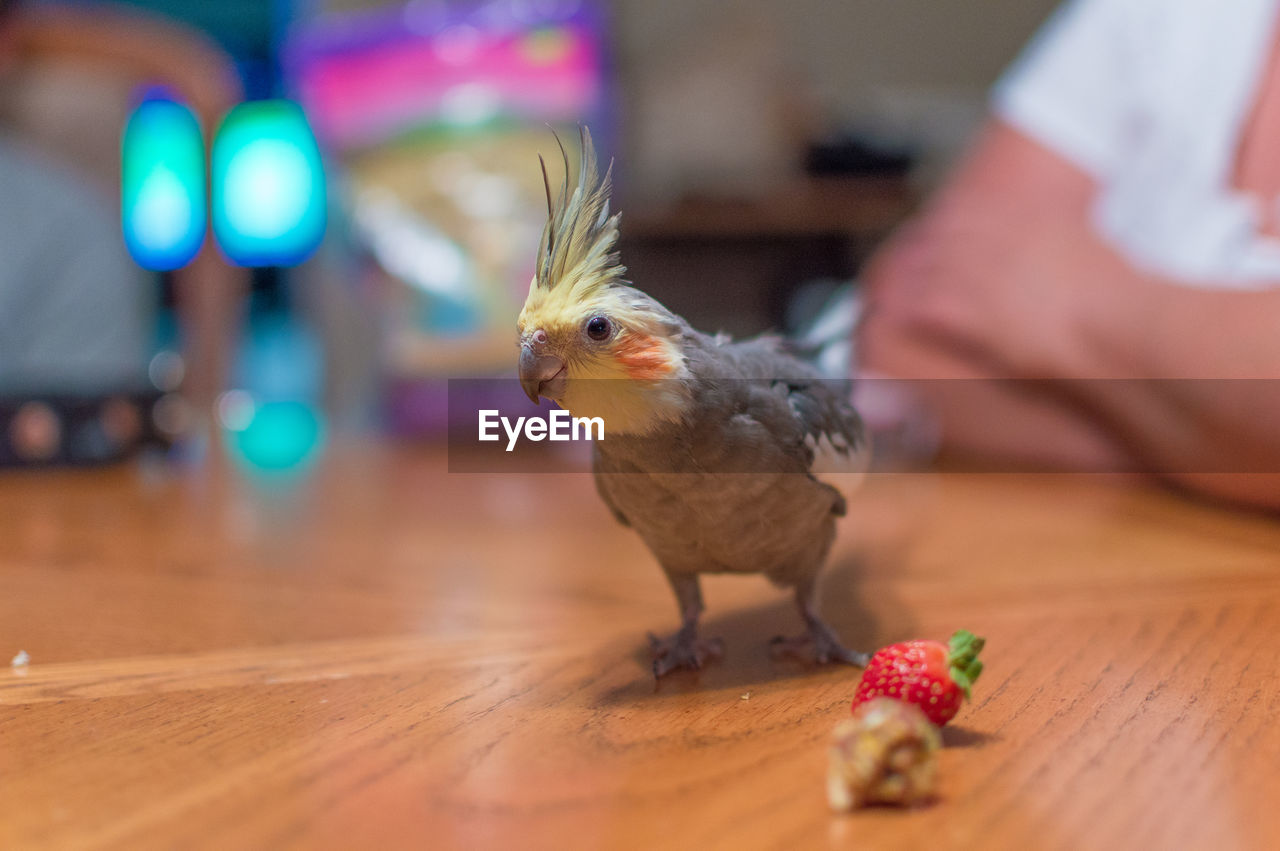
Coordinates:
[932,675]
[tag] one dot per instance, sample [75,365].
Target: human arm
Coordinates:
[1004,277]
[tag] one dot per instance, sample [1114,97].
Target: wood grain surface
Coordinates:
[386,655]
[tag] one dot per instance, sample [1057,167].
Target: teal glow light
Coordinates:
[163,184]
[277,437]
[268,185]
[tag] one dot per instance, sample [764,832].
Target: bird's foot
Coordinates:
[820,645]
[682,650]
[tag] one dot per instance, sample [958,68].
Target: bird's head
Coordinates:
[589,340]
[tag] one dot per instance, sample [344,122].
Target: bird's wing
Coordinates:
[822,407]
[833,431]
[790,397]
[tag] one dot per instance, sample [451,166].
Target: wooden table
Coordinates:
[392,656]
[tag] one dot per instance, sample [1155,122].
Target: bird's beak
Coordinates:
[540,375]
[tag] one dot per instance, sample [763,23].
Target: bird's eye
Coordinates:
[599,328]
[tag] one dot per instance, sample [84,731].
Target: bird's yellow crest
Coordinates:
[577,261]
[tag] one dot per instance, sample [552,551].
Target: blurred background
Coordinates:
[762,152]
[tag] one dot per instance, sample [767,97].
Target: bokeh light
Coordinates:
[268,185]
[163,183]
[547,45]
[35,432]
[272,437]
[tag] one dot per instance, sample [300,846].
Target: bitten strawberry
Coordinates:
[932,675]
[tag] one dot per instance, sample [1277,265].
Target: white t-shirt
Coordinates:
[1151,98]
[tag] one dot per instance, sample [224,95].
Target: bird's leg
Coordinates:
[684,649]
[820,639]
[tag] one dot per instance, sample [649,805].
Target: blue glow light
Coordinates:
[163,184]
[268,185]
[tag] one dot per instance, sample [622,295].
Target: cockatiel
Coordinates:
[710,446]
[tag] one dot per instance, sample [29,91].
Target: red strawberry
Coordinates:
[929,674]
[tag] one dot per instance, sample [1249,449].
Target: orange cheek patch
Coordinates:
[644,357]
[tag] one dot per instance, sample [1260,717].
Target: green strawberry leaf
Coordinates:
[963,659]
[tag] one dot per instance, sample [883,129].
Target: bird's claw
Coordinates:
[682,651]
[821,648]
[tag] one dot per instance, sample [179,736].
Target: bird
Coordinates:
[713,449]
